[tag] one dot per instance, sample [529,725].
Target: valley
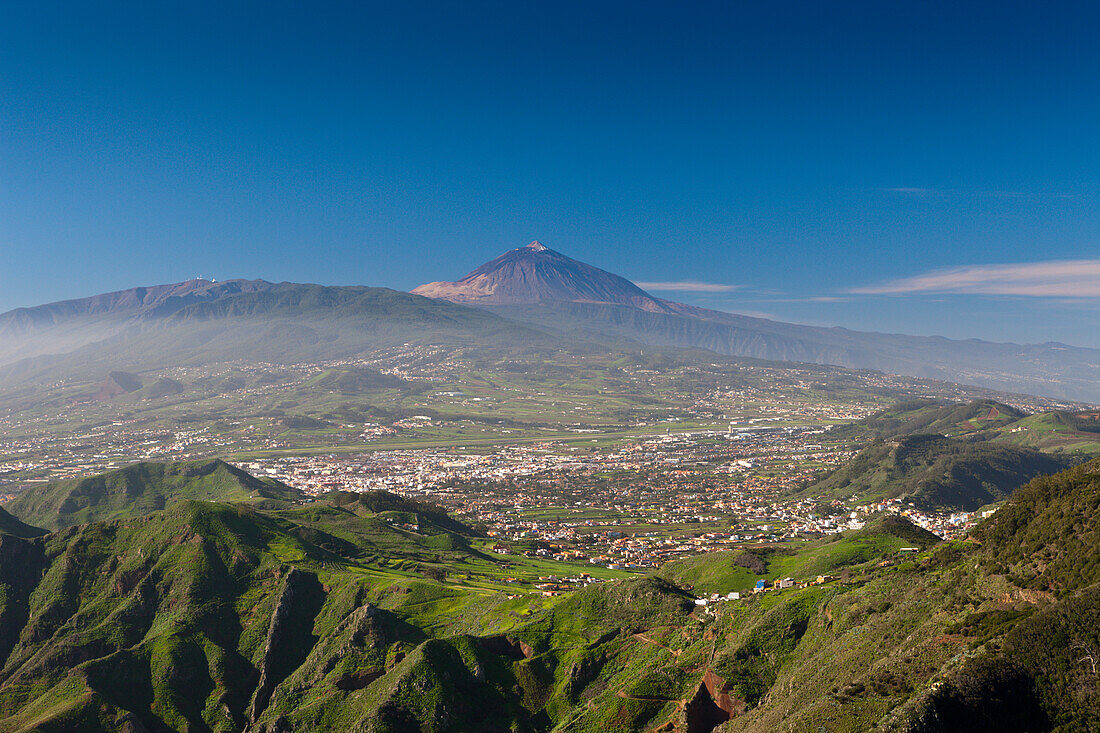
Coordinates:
[589,533]
[508,367]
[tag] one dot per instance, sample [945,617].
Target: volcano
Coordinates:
[538,287]
[538,274]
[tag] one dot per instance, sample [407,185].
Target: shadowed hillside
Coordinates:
[11,525]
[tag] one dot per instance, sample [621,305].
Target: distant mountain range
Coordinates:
[203,323]
[531,297]
[544,288]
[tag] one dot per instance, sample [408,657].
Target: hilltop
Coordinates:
[140,489]
[932,471]
[1056,431]
[428,517]
[932,416]
[1068,432]
[739,570]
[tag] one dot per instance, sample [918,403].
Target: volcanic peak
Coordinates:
[538,274]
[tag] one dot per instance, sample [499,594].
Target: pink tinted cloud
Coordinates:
[1058,278]
[688,286]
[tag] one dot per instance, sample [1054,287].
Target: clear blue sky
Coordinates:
[828,159]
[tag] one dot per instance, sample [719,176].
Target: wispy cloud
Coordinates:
[954,193]
[914,191]
[758,314]
[1054,278]
[808,299]
[689,286]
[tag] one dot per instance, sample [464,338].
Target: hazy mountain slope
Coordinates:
[539,292]
[539,286]
[57,328]
[283,323]
[935,472]
[1052,370]
[140,489]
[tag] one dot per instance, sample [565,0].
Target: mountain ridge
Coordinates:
[1049,369]
[531,295]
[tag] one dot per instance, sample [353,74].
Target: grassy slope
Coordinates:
[981,420]
[168,618]
[1052,431]
[140,489]
[931,416]
[738,570]
[933,471]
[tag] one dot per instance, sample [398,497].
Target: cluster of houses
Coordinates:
[763,586]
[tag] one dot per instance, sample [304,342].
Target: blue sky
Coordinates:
[915,167]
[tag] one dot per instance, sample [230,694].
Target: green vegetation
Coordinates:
[932,416]
[739,570]
[1057,431]
[1048,536]
[320,616]
[935,472]
[143,488]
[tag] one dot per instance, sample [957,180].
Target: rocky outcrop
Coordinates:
[506,646]
[711,705]
[291,612]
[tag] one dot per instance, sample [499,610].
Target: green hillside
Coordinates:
[739,570]
[1048,536]
[981,420]
[221,617]
[142,488]
[429,518]
[935,472]
[1058,431]
[353,381]
[931,416]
